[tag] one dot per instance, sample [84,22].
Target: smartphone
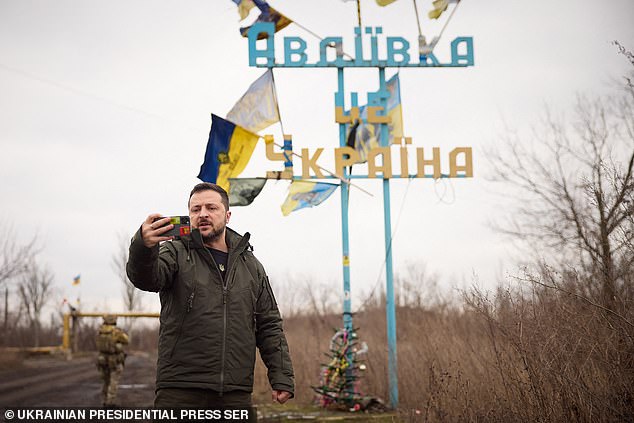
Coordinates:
[181,226]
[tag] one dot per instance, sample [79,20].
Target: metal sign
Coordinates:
[397,51]
[329,53]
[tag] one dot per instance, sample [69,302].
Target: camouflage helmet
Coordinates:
[110,319]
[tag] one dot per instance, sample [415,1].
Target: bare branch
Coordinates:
[581,297]
[14,256]
[131,296]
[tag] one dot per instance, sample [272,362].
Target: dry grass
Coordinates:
[529,354]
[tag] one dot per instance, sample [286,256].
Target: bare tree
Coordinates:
[14,256]
[320,298]
[131,297]
[416,286]
[575,193]
[35,289]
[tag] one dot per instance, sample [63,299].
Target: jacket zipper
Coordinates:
[225,293]
[224,338]
[188,307]
[224,321]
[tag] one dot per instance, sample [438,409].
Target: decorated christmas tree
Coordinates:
[339,383]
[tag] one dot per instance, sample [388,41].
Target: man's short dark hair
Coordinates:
[208,186]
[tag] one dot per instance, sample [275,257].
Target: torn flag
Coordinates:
[244,7]
[306,194]
[268,15]
[257,108]
[367,135]
[242,191]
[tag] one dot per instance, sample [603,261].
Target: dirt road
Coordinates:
[56,382]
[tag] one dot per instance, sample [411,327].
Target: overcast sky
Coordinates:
[105,113]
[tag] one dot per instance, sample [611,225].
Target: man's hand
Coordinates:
[281,396]
[152,229]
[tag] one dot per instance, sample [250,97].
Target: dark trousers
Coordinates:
[203,398]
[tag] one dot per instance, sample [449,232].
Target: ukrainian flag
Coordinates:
[76,280]
[229,150]
[306,194]
[366,136]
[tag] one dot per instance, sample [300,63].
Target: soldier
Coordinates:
[111,358]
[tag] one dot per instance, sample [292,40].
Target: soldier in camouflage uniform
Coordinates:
[111,358]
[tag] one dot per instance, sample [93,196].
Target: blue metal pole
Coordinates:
[347,303]
[390,308]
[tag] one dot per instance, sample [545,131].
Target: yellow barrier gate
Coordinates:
[66,336]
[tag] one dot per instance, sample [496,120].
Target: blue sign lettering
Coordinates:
[397,51]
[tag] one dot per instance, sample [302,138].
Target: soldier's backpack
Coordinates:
[106,340]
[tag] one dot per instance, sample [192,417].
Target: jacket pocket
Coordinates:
[188,307]
[267,285]
[254,314]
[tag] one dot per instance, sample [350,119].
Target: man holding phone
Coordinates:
[217,306]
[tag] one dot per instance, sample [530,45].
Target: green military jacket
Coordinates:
[110,342]
[209,329]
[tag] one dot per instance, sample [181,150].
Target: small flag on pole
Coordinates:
[306,194]
[76,280]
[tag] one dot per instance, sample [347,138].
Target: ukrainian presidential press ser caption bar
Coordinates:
[116,415]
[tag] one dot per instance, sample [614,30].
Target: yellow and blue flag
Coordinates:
[268,15]
[76,280]
[394,108]
[229,150]
[365,136]
[306,194]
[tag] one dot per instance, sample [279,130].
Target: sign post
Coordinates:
[345,239]
[390,306]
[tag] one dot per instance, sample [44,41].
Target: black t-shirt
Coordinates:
[221,259]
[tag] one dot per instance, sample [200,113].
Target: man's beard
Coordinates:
[214,235]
